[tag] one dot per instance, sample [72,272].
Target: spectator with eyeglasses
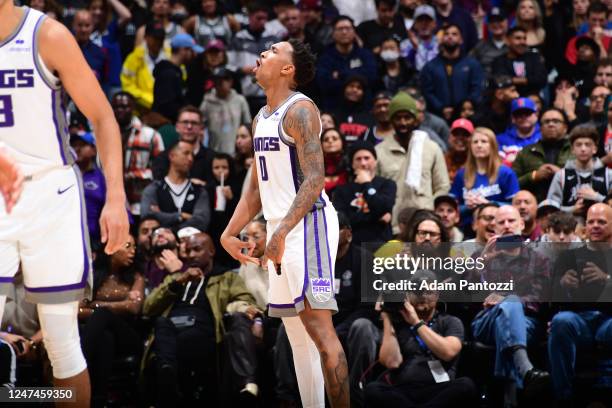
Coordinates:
[191,129]
[537,163]
[594,112]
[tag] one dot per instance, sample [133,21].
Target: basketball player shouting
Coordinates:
[46,231]
[287,181]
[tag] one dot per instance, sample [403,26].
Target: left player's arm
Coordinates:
[61,54]
[302,124]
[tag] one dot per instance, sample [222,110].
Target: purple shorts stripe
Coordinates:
[6,280]
[317,247]
[301,297]
[283,306]
[331,276]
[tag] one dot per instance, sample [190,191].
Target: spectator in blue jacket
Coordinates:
[523,131]
[340,60]
[451,77]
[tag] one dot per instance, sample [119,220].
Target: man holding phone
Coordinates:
[509,320]
[582,277]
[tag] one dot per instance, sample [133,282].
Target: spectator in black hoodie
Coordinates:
[169,89]
[368,199]
[353,114]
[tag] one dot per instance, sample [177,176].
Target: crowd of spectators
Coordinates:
[449,121]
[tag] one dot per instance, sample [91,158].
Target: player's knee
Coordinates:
[61,338]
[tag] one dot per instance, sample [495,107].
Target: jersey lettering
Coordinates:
[16,78]
[266,144]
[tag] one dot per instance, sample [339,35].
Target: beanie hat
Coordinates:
[361,145]
[403,102]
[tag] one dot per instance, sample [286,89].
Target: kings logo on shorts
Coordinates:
[321,289]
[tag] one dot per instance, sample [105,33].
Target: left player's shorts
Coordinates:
[307,267]
[46,233]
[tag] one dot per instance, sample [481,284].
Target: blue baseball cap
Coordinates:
[523,104]
[184,40]
[86,137]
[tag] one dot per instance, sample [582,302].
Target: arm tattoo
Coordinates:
[302,124]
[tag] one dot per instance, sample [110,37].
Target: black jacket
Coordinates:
[534,71]
[365,204]
[168,95]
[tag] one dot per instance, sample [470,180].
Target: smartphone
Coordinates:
[580,264]
[20,347]
[509,241]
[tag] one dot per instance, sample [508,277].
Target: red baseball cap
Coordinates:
[463,124]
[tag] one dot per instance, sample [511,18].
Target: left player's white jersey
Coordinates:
[278,169]
[32,117]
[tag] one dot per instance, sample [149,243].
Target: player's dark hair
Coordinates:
[304,61]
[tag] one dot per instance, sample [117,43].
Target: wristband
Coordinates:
[418,325]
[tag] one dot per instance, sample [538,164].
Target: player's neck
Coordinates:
[276,96]
[10,16]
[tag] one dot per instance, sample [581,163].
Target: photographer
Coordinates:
[421,347]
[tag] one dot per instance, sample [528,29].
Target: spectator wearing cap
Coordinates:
[367,199]
[211,24]
[141,145]
[449,13]
[97,59]
[311,12]
[525,67]
[525,130]
[137,73]
[244,51]
[458,143]
[422,44]
[583,180]
[382,127]
[494,112]
[161,11]
[387,24]
[597,16]
[169,89]
[537,163]
[341,60]
[84,145]
[484,178]
[447,208]
[353,115]
[451,78]
[494,45]
[201,71]
[545,209]
[224,110]
[397,71]
[411,159]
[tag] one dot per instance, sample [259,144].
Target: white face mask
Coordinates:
[389,55]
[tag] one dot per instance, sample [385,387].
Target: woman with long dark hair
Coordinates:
[109,318]
[334,158]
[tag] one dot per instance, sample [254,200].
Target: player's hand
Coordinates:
[11,181]
[275,248]
[114,226]
[235,247]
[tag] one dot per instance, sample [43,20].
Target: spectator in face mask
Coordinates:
[396,72]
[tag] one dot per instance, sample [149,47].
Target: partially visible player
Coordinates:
[287,181]
[46,231]
[11,181]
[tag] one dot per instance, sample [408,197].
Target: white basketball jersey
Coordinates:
[278,169]
[32,117]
